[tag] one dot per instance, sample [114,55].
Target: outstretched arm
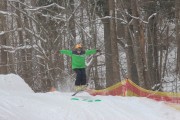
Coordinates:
[90,52]
[66,52]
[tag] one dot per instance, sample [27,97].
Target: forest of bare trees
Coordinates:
[138,39]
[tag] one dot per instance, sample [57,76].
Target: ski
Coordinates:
[77,92]
[81,90]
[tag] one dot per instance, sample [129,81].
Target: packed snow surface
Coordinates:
[19,102]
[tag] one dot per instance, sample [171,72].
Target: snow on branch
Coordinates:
[54,17]
[7,13]
[37,36]
[47,6]
[73,12]
[138,18]
[4,32]
[12,49]
[83,30]
[107,17]
[154,14]
[90,61]
[110,17]
[19,2]
[41,57]
[32,18]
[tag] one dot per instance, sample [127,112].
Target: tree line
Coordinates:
[138,39]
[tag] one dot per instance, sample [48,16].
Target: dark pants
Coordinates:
[80,76]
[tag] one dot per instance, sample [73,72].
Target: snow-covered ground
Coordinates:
[19,102]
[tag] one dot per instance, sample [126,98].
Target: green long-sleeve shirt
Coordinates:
[78,60]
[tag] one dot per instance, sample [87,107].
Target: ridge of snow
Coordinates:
[13,83]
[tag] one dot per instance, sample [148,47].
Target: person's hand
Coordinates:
[98,50]
[56,52]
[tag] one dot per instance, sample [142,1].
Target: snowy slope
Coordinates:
[13,83]
[18,105]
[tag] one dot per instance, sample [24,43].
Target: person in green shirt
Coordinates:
[78,56]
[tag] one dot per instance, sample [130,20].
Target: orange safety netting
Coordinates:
[129,88]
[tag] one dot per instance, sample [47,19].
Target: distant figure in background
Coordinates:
[78,56]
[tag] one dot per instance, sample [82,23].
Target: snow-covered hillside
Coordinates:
[19,102]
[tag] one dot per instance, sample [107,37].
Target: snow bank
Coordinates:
[59,106]
[13,83]
[23,104]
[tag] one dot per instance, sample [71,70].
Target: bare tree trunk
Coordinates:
[132,69]
[107,41]
[114,46]
[92,69]
[114,56]
[138,52]
[11,58]
[152,49]
[121,27]
[72,29]
[82,39]
[125,34]
[177,22]
[153,68]
[3,61]
[22,53]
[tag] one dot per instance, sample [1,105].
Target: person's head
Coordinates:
[78,47]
